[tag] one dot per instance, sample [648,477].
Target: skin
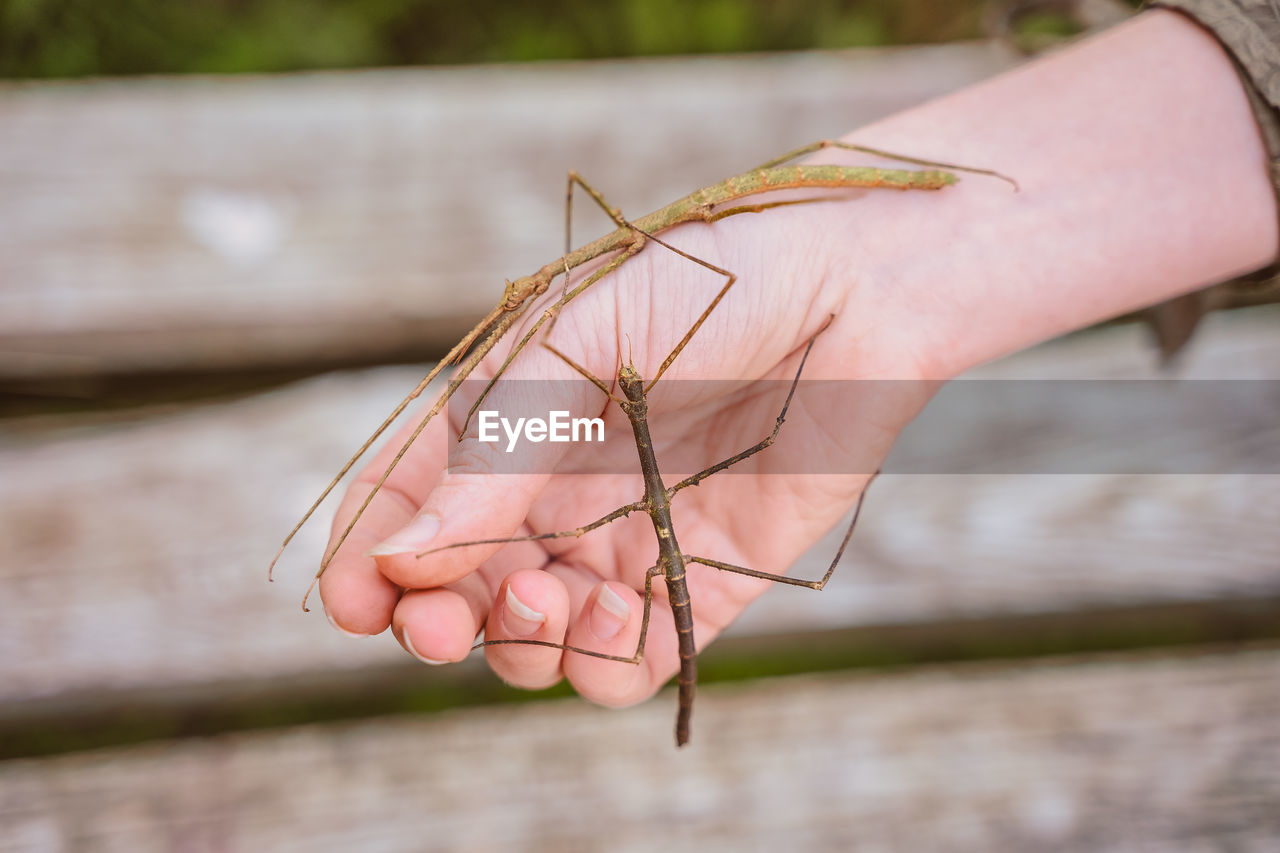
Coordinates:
[1141,179]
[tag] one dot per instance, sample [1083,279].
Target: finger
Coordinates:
[437,625]
[357,598]
[531,605]
[610,623]
[490,485]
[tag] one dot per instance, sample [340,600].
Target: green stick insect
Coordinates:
[708,205]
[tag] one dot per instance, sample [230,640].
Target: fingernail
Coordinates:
[342,630]
[408,644]
[413,537]
[519,618]
[609,614]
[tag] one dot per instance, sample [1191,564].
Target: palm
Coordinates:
[753,334]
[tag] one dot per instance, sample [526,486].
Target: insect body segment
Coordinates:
[670,559]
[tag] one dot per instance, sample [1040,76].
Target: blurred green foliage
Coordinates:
[73,38]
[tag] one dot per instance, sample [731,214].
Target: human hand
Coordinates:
[587,591]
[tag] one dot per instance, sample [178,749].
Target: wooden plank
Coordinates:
[135,550]
[224,223]
[97,719]
[1104,755]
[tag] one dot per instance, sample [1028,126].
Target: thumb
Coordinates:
[495,472]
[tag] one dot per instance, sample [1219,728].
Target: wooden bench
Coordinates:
[209,226]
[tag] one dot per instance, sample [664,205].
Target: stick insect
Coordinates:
[707,205]
[656,503]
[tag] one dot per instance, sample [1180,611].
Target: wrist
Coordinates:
[1137,186]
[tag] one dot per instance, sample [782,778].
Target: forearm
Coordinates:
[1143,177]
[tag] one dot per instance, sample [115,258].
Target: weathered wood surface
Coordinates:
[135,550]
[235,222]
[1137,754]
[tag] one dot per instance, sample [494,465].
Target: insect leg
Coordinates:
[561,534]
[613,264]
[695,479]
[454,354]
[463,371]
[612,212]
[634,659]
[769,576]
